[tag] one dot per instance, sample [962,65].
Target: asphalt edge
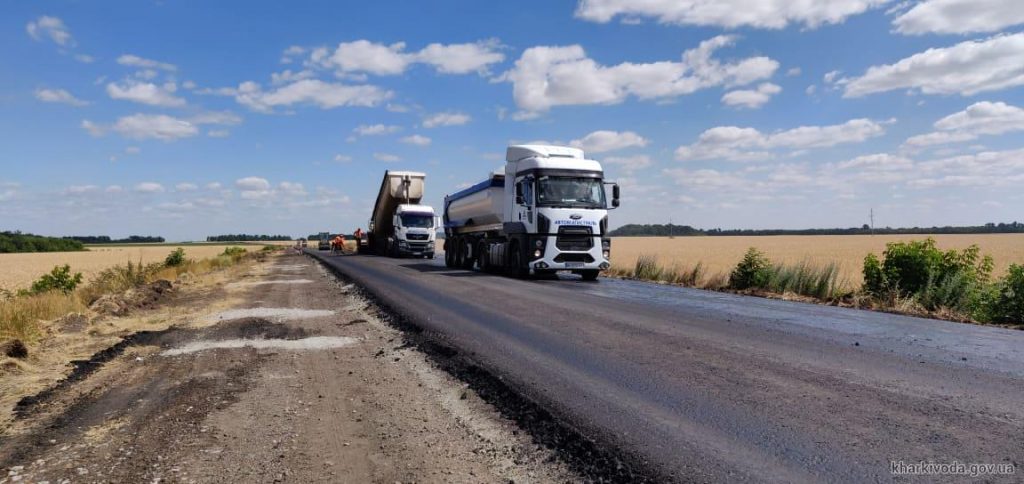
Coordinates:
[594,459]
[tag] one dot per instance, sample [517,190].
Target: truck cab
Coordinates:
[415,231]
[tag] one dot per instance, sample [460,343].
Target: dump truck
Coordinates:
[547,211]
[400,226]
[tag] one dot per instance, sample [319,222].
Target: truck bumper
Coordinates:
[552,258]
[416,249]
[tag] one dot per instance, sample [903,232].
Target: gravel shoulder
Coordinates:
[331,393]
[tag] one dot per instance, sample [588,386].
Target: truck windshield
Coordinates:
[559,191]
[418,220]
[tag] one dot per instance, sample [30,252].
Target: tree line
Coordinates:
[247,238]
[667,230]
[105,239]
[11,242]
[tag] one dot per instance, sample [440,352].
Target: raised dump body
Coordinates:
[399,225]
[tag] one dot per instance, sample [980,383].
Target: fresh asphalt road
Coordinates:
[707,386]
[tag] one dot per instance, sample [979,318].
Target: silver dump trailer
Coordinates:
[399,224]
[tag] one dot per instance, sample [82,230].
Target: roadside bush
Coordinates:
[175,258]
[1006,305]
[116,279]
[753,270]
[647,268]
[918,270]
[59,279]
[234,252]
[821,282]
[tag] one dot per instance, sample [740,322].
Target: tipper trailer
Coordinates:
[546,212]
[400,225]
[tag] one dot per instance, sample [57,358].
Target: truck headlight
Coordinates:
[607,255]
[537,254]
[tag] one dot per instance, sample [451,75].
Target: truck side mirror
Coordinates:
[615,195]
[397,221]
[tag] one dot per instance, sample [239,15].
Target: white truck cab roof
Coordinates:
[549,157]
[408,207]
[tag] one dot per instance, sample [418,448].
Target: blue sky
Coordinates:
[187,119]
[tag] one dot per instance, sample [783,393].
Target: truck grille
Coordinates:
[574,238]
[418,236]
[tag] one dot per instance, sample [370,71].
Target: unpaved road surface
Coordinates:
[299,383]
[710,387]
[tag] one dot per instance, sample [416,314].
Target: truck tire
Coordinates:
[449,254]
[459,256]
[516,267]
[466,247]
[481,257]
[590,274]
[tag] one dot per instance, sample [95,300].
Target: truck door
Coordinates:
[524,200]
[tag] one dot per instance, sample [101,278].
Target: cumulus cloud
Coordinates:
[59,96]
[751,98]
[603,140]
[292,188]
[628,164]
[386,157]
[342,158]
[981,118]
[149,187]
[375,129]
[53,28]
[959,17]
[770,14]
[136,61]
[966,69]
[145,93]
[160,126]
[417,140]
[363,56]
[325,95]
[186,187]
[446,119]
[986,169]
[252,183]
[545,76]
[748,144]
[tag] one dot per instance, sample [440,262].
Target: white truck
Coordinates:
[547,212]
[399,225]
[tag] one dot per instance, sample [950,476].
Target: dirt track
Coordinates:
[353,404]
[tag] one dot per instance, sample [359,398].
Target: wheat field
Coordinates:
[18,271]
[720,254]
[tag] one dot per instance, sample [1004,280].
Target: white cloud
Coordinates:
[218,133]
[877,162]
[114,189]
[770,14]
[186,187]
[92,128]
[751,98]
[386,157]
[628,163]
[226,118]
[149,187]
[132,150]
[50,27]
[59,96]
[831,76]
[325,95]
[286,76]
[84,58]
[252,183]
[959,16]
[981,118]
[748,144]
[81,189]
[417,140]
[545,77]
[603,140]
[157,126]
[213,186]
[793,71]
[145,93]
[375,129]
[136,61]
[446,119]
[370,57]
[986,169]
[966,68]
[292,188]
[342,158]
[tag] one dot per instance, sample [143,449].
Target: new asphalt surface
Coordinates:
[703,386]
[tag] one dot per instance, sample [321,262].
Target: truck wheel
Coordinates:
[449,254]
[516,267]
[459,253]
[590,274]
[467,254]
[481,257]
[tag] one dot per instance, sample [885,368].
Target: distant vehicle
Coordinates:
[546,212]
[399,225]
[302,243]
[324,241]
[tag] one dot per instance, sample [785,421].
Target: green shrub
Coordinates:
[821,282]
[1007,302]
[753,270]
[117,279]
[175,258]
[59,279]
[234,252]
[647,268]
[874,278]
